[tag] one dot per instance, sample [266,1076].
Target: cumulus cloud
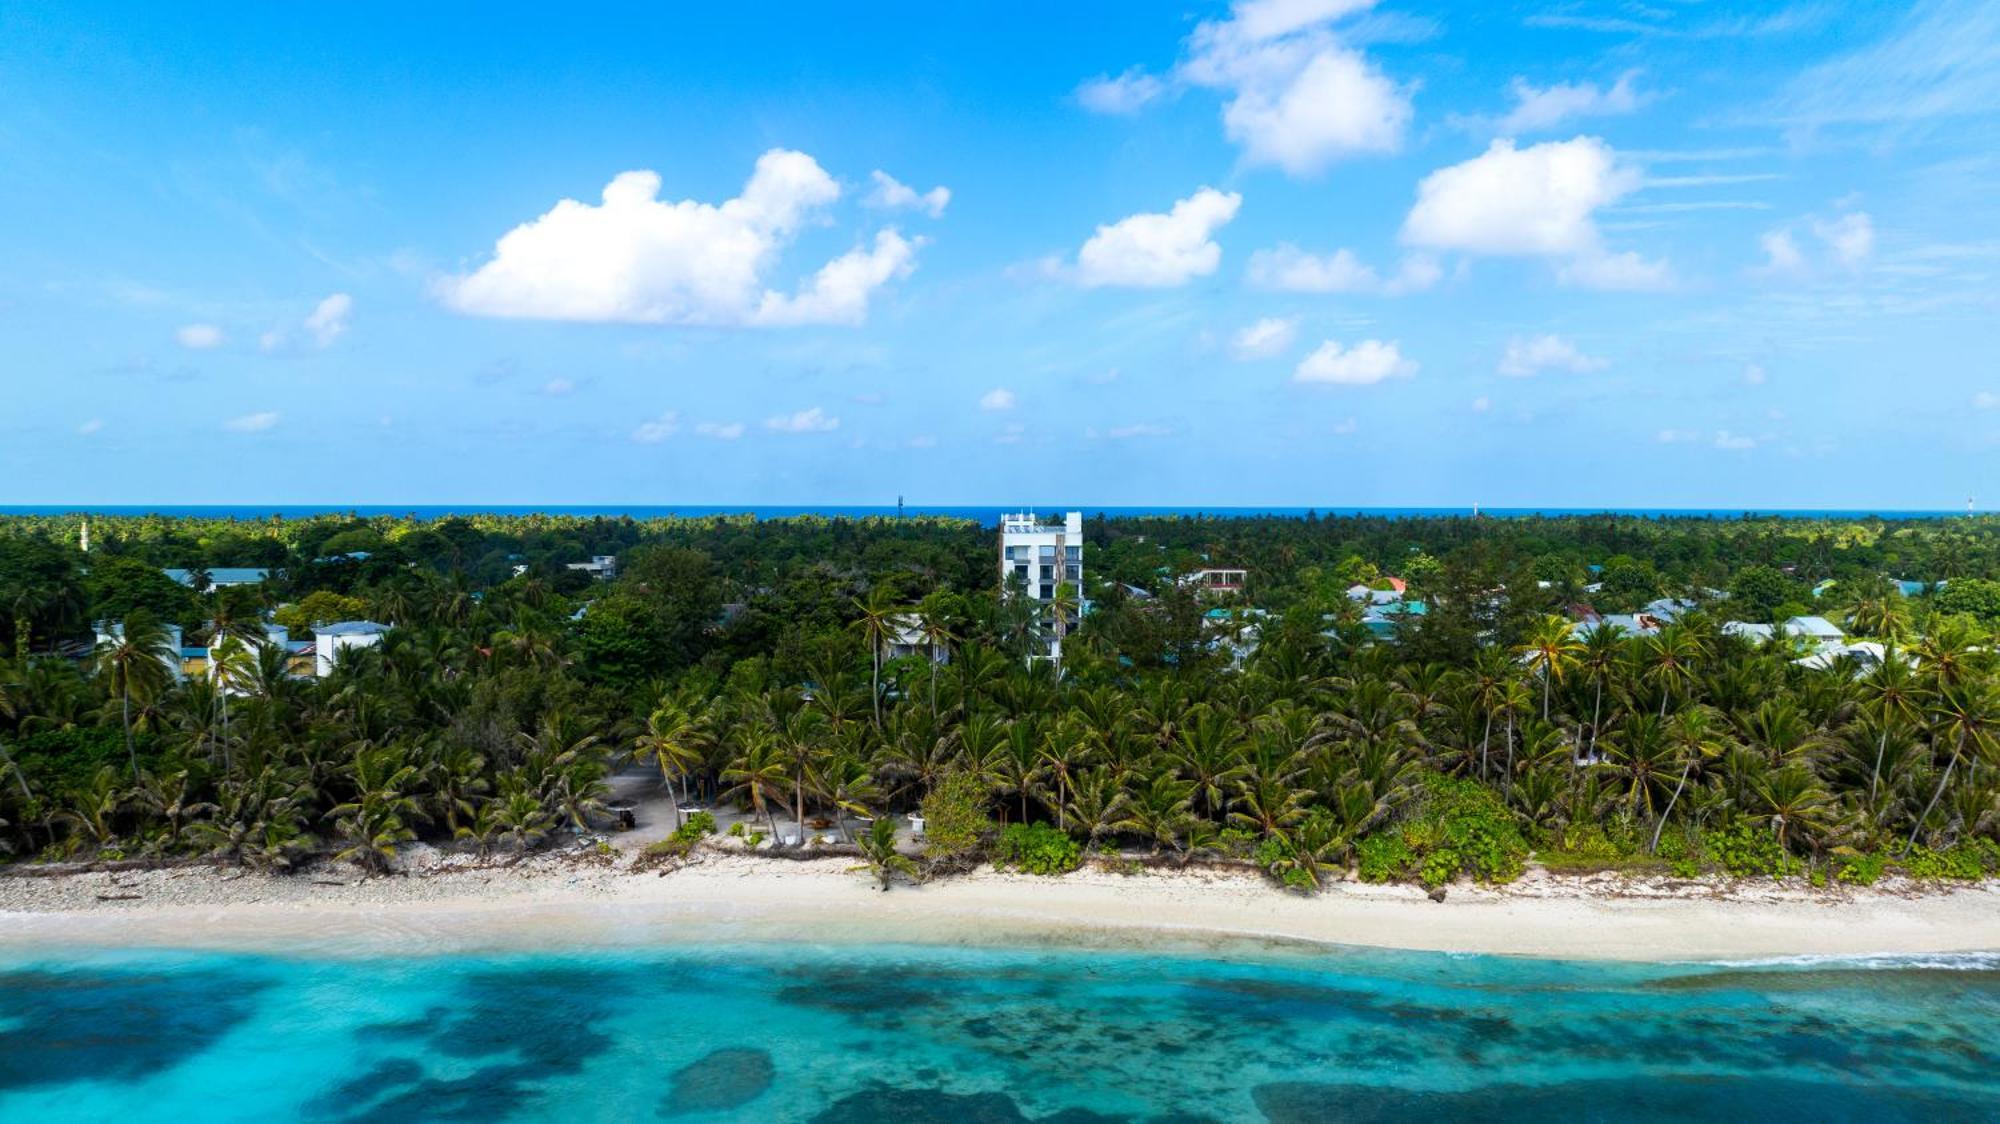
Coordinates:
[636,258]
[1266,339]
[1122,94]
[720,431]
[90,427]
[1482,404]
[1539,201]
[1753,373]
[199,337]
[1151,250]
[1721,439]
[1295,95]
[999,398]
[659,429]
[1364,364]
[1538,109]
[556,388]
[1532,355]
[891,194]
[1851,237]
[1986,400]
[1287,268]
[252,423]
[1846,240]
[812,420]
[329,318]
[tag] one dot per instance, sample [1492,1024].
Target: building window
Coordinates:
[1048,591]
[1048,552]
[1073,573]
[1048,573]
[1022,573]
[1075,553]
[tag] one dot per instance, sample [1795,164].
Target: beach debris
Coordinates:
[1437,895]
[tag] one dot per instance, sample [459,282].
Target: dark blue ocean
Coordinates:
[986,515]
[857,1034]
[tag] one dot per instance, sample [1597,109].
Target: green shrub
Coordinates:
[1384,857]
[1961,863]
[1237,843]
[955,821]
[1859,869]
[1747,851]
[1037,848]
[737,830]
[698,824]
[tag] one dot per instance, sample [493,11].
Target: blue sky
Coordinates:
[1282,252]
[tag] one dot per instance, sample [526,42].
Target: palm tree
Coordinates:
[880,857]
[1892,697]
[1669,659]
[756,775]
[137,658]
[1695,739]
[934,624]
[674,740]
[1551,647]
[878,622]
[1966,714]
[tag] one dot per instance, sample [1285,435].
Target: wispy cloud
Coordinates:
[252,423]
[1942,60]
[811,420]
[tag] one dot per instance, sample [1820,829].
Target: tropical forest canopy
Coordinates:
[747,661]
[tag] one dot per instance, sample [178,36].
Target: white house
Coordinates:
[1218,581]
[1036,557]
[603,567]
[906,638]
[329,640]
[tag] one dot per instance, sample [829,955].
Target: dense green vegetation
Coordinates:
[739,660]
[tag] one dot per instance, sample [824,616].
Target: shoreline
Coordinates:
[451,905]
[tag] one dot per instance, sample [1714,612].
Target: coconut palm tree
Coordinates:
[137,659]
[1694,734]
[674,740]
[877,623]
[1964,714]
[1551,648]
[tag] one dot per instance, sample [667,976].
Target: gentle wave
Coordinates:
[1941,961]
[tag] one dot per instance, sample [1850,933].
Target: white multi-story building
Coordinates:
[329,640]
[1037,557]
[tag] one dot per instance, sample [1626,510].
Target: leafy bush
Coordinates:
[1384,857]
[1037,848]
[1859,869]
[1747,851]
[1958,864]
[736,830]
[955,821]
[697,825]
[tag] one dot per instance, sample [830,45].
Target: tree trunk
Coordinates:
[1485,736]
[1942,783]
[1653,848]
[126,709]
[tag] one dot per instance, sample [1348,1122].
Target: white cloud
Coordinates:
[1295,95]
[1851,237]
[1753,373]
[1481,404]
[720,431]
[1848,240]
[1986,400]
[659,429]
[838,293]
[90,427]
[922,441]
[1535,354]
[199,337]
[999,398]
[329,318]
[1781,252]
[1152,250]
[1722,439]
[1538,109]
[556,388]
[1142,429]
[1266,339]
[1287,268]
[813,420]
[1122,94]
[1346,426]
[252,423]
[635,258]
[1366,363]
[1538,200]
[891,194]
[1624,271]
[1011,435]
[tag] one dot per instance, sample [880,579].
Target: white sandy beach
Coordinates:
[564,902]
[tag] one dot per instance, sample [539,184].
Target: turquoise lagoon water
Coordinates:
[908,1035]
